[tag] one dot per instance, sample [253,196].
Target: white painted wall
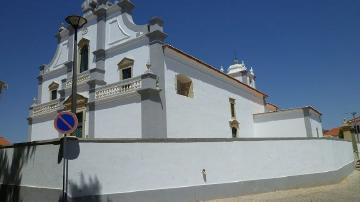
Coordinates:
[60,56]
[316,128]
[43,131]
[281,128]
[116,30]
[316,125]
[45,96]
[122,121]
[207,114]
[138,51]
[40,166]
[130,167]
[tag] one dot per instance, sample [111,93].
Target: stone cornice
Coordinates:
[156,36]
[54,73]
[99,54]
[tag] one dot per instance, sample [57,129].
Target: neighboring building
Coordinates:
[271,107]
[355,125]
[4,142]
[133,85]
[333,133]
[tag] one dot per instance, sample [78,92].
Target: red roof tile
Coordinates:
[4,142]
[332,133]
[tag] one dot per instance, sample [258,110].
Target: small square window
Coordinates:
[126,73]
[184,86]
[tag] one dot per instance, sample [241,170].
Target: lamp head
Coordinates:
[76,21]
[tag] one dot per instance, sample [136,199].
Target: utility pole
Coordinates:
[355,129]
[354,138]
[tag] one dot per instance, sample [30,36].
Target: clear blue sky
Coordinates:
[304,52]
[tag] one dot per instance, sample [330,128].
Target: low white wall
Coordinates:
[131,167]
[125,167]
[34,166]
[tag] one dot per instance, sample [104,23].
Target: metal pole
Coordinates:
[74,78]
[64,169]
[73,110]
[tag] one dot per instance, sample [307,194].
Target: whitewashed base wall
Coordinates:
[171,170]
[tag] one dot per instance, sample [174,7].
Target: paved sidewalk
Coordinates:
[346,191]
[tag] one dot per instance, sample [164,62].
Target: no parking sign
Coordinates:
[66,122]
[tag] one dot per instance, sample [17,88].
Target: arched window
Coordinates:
[84,58]
[83,54]
[184,86]
[234,132]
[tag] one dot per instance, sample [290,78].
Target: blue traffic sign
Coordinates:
[65,122]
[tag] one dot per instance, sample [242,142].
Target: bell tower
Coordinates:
[240,72]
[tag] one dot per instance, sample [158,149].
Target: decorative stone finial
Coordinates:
[156,21]
[148,66]
[252,71]
[222,68]
[89,5]
[126,6]
[235,61]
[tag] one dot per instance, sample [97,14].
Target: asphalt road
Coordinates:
[346,191]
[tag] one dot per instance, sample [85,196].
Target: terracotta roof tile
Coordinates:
[4,142]
[332,133]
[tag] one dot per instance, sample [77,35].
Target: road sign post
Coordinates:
[65,123]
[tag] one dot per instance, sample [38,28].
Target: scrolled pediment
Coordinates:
[126,62]
[81,102]
[54,86]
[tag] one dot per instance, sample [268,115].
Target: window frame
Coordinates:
[184,86]
[53,93]
[83,43]
[53,87]
[125,63]
[232,108]
[122,72]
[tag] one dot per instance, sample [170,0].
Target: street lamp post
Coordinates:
[76,22]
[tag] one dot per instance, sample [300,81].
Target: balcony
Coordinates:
[46,108]
[82,78]
[118,89]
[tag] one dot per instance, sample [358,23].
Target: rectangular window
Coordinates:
[53,94]
[317,132]
[232,107]
[126,73]
[79,130]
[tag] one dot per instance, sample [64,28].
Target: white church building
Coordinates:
[131,84]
